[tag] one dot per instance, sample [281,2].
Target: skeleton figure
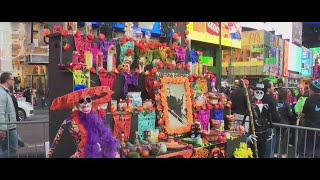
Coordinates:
[92,137]
[258,95]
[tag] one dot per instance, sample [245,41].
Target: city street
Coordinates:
[34,135]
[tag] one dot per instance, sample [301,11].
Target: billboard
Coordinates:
[297,33]
[209,32]
[306,62]
[298,63]
[252,38]
[281,55]
[285,58]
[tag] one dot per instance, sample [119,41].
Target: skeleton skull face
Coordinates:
[85,105]
[258,94]
[128,59]
[142,60]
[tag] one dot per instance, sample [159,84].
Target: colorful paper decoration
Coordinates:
[203,85]
[148,80]
[217,114]
[94,52]
[193,56]
[132,78]
[79,77]
[107,79]
[122,124]
[204,118]
[104,47]
[181,54]
[146,122]
[124,48]
[82,44]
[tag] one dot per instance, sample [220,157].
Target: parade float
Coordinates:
[158,99]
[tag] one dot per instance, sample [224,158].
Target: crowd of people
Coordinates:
[295,106]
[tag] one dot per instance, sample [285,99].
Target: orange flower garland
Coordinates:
[163,92]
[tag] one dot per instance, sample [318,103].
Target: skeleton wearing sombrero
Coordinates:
[91,136]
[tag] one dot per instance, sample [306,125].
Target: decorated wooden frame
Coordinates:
[177,114]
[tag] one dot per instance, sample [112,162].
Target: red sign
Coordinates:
[213,28]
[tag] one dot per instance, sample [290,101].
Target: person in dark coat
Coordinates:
[27,94]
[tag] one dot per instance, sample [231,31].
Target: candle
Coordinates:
[191,67]
[200,68]
[195,68]
[109,62]
[88,27]
[88,59]
[100,60]
[74,27]
[75,57]
[204,69]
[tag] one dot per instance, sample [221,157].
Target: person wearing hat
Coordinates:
[92,137]
[311,114]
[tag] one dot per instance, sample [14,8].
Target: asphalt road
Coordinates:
[34,135]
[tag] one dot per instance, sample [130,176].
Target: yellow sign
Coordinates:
[239,64]
[209,32]
[251,37]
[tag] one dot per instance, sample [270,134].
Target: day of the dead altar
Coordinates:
[153,99]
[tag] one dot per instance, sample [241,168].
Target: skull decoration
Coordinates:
[142,62]
[128,59]
[85,105]
[258,94]
[124,66]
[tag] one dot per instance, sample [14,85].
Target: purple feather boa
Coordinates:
[98,133]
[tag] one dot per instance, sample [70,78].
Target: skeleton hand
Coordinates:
[254,137]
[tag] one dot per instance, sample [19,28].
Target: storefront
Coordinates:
[205,38]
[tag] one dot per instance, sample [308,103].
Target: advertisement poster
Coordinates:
[298,61]
[306,63]
[281,48]
[285,57]
[209,32]
[292,57]
[297,33]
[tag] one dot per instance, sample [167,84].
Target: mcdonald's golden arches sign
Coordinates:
[252,37]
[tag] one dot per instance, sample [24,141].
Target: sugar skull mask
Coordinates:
[258,94]
[85,104]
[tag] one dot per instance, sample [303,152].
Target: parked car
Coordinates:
[25,110]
